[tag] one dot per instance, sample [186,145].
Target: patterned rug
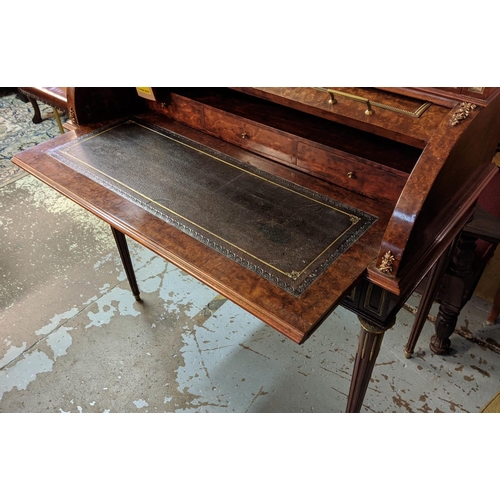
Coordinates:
[18,132]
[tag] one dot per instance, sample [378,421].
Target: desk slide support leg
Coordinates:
[434,278]
[121,243]
[370,340]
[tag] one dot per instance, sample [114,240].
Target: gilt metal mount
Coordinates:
[462,113]
[386,264]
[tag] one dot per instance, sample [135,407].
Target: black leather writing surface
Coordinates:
[287,234]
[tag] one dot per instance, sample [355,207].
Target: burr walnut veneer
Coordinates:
[288,201]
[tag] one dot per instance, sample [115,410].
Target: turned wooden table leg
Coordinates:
[370,340]
[121,243]
[446,321]
[458,285]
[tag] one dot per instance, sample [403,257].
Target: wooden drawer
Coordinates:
[250,135]
[185,111]
[356,174]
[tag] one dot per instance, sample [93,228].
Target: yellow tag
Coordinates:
[146,92]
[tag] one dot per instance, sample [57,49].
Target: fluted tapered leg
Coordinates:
[370,340]
[121,243]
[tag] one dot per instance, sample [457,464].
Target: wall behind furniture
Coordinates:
[490,280]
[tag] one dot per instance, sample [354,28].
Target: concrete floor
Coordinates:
[74,340]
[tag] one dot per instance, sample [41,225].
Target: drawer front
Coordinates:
[250,135]
[362,176]
[185,111]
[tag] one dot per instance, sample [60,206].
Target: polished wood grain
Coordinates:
[452,171]
[412,131]
[55,97]
[420,176]
[297,318]
[357,161]
[455,94]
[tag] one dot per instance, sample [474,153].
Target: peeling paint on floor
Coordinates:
[20,375]
[86,345]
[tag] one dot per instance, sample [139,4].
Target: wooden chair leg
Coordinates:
[37,117]
[22,96]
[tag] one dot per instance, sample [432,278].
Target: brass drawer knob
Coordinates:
[351,175]
[243,135]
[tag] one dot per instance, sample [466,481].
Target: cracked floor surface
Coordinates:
[73,339]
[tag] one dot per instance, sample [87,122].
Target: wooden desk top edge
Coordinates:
[296,318]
